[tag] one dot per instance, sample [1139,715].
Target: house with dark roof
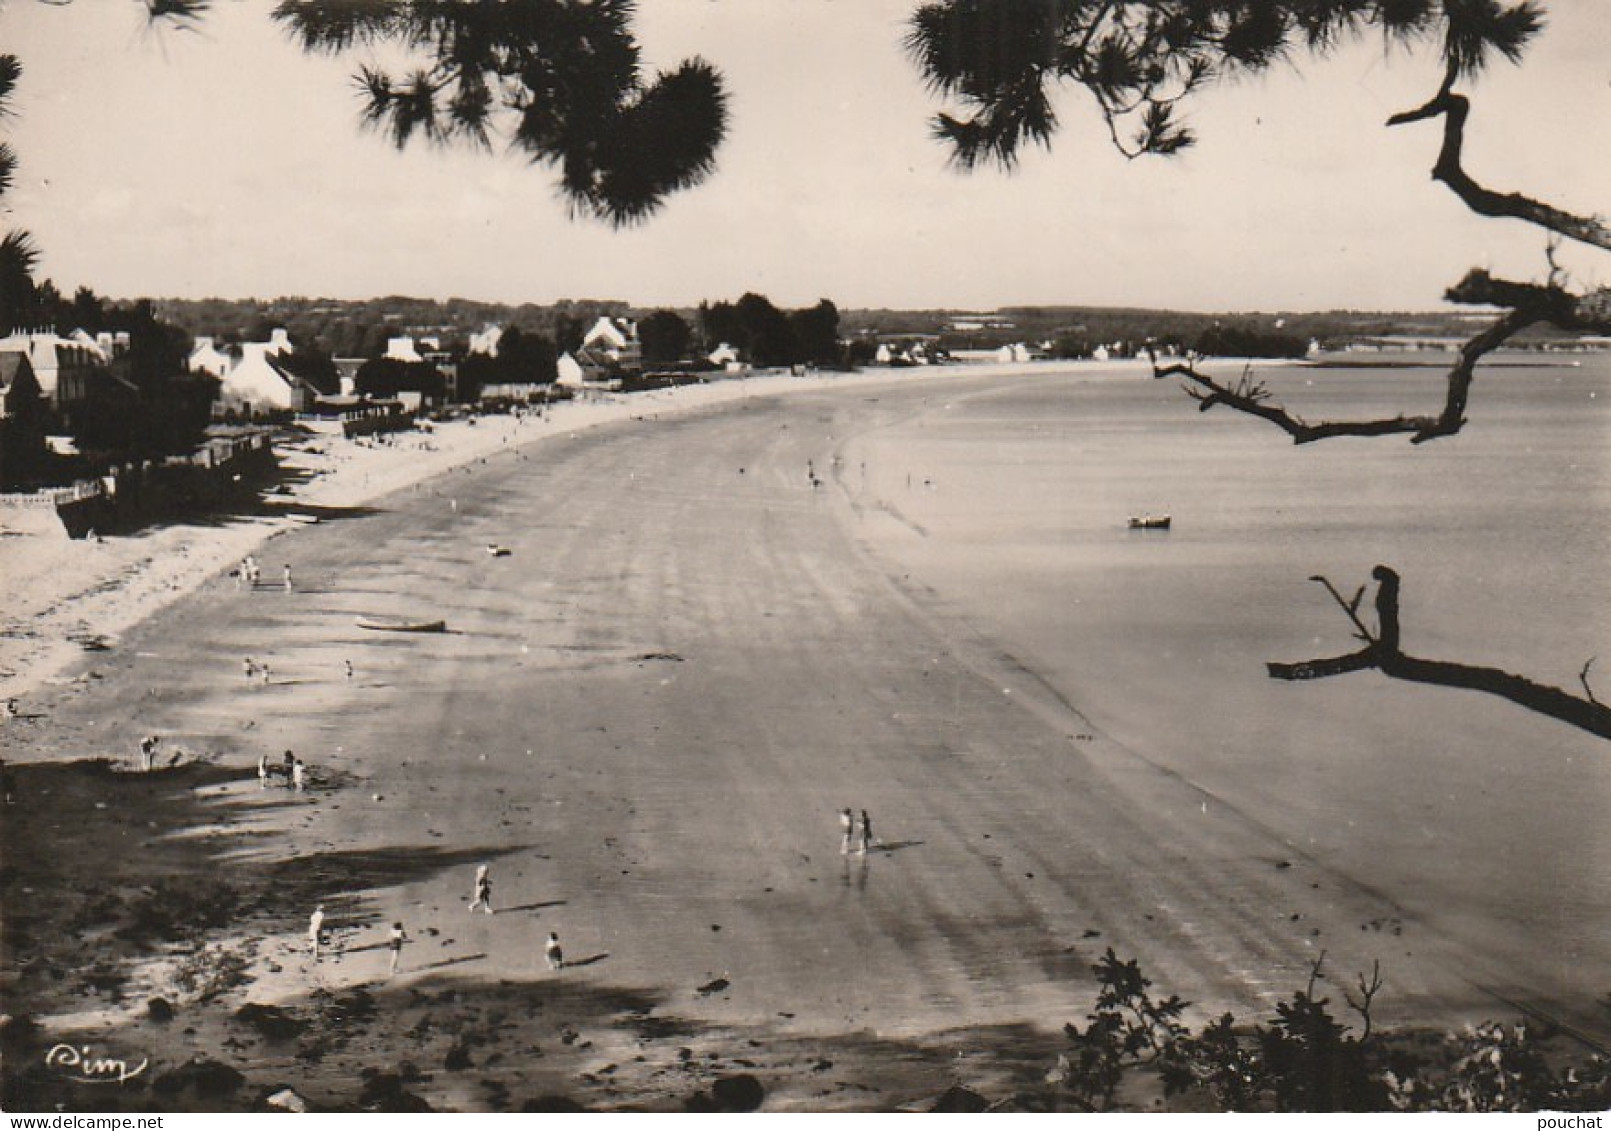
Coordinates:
[23,411]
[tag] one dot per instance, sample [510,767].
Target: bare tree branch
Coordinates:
[1527,303]
[1454,109]
[1367,995]
[1384,655]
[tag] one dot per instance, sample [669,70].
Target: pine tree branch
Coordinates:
[1384,655]
[1454,109]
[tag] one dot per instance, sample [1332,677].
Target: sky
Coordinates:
[222,161]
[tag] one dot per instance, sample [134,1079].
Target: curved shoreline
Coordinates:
[646,717]
[61,592]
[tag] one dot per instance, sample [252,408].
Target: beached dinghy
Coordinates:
[1149,522]
[499,551]
[401,624]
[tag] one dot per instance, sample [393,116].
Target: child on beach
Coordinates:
[847,826]
[316,929]
[483,890]
[395,945]
[551,951]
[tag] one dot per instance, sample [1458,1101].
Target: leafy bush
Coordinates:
[1305,1059]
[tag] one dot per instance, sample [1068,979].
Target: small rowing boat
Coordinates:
[1149,522]
[401,624]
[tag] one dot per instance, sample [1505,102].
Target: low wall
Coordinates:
[134,495]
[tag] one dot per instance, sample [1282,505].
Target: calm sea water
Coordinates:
[1480,817]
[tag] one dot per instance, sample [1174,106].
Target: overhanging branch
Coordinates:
[1383,654]
[1454,109]
[1527,303]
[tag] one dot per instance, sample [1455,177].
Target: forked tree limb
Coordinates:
[1454,109]
[1527,303]
[1383,654]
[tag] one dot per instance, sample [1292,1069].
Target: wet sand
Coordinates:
[645,717]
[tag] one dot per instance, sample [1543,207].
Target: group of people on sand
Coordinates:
[249,573]
[850,827]
[481,900]
[293,769]
[148,753]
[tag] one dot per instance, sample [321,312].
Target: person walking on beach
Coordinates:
[287,576]
[262,771]
[287,765]
[299,780]
[148,751]
[263,670]
[847,829]
[395,945]
[316,929]
[552,951]
[249,668]
[866,833]
[483,890]
[348,664]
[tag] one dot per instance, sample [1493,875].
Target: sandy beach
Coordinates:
[644,717]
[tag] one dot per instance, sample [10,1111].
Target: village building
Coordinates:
[261,382]
[70,371]
[206,357]
[611,346]
[22,417]
[402,349]
[347,373]
[485,341]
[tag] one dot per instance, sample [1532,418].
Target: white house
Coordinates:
[258,383]
[610,334]
[1014,353]
[206,357]
[402,349]
[570,372]
[611,345]
[486,341]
